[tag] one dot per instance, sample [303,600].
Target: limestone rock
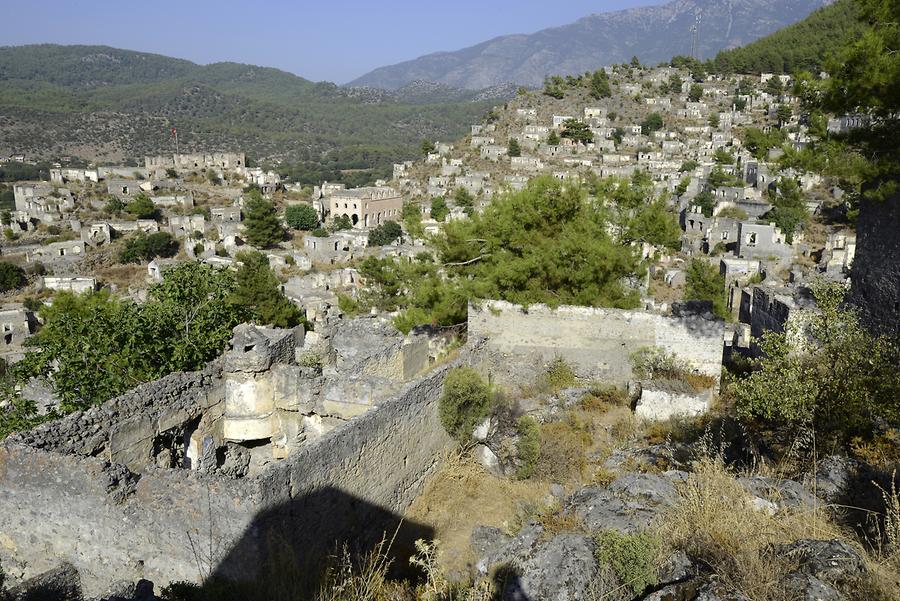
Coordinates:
[628,505]
[59,584]
[676,568]
[665,456]
[715,590]
[832,477]
[495,548]
[682,591]
[657,489]
[488,459]
[482,430]
[779,494]
[559,570]
[829,560]
[804,587]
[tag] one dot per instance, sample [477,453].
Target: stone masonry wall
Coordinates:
[596,342]
[876,267]
[113,525]
[121,430]
[351,485]
[63,500]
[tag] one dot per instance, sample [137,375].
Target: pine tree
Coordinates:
[514,149]
[258,290]
[262,227]
[600,85]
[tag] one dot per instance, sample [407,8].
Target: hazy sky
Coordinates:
[334,40]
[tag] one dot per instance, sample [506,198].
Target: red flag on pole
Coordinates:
[174,132]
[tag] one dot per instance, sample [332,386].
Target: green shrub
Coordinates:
[348,305]
[142,207]
[261,225]
[301,217]
[310,359]
[465,402]
[704,282]
[32,304]
[439,209]
[385,234]
[528,447]
[560,375]
[829,373]
[341,222]
[114,205]
[603,398]
[11,276]
[631,556]
[145,247]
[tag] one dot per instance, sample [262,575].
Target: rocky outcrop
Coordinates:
[629,504]
[62,583]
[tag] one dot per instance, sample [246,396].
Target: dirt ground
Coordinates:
[463,495]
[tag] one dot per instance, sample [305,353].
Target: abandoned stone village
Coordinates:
[294,441]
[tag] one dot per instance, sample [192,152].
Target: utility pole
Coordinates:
[175,135]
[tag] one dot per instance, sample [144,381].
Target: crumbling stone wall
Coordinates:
[875,274]
[596,342]
[351,485]
[62,498]
[123,430]
[110,523]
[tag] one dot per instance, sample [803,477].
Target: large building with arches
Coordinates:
[367,207]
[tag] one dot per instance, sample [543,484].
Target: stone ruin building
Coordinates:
[285,432]
[291,442]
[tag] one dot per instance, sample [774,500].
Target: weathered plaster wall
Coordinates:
[596,342]
[351,485]
[662,401]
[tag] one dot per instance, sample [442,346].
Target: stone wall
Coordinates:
[665,400]
[123,429]
[876,268]
[351,485]
[596,342]
[62,499]
[111,524]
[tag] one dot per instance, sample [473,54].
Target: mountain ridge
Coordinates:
[661,31]
[109,104]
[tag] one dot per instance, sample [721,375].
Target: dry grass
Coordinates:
[363,579]
[462,495]
[562,458]
[124,276]
[716,524]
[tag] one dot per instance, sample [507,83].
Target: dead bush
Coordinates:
[562,452]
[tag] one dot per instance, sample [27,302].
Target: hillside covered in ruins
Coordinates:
[634,335]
